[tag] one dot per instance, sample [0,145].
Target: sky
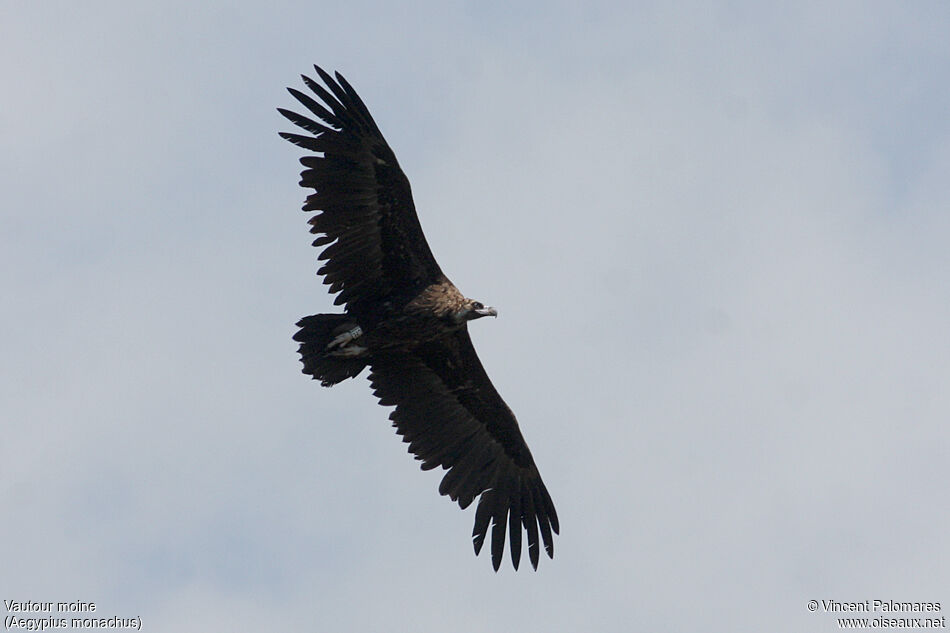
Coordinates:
[716,234]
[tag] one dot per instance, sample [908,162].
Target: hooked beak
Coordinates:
[486,311]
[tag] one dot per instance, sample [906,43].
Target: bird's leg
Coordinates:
[346,338]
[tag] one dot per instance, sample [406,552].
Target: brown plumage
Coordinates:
[404,319]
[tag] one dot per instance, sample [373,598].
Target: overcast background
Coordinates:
[717,235]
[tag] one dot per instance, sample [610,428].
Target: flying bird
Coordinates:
[408,323]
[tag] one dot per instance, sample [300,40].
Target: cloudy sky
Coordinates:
[717,235]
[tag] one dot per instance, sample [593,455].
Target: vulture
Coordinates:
[408,323]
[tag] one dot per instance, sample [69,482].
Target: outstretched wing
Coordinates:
[450,414]
[377,250]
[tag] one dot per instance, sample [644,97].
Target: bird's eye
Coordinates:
[477,305]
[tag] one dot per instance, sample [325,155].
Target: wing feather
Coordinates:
[451,416]
[374,245]
[514,525]
[530,521]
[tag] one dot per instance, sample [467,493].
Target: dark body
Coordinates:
[408,323]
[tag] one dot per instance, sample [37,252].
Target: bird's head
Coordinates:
[472,310]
